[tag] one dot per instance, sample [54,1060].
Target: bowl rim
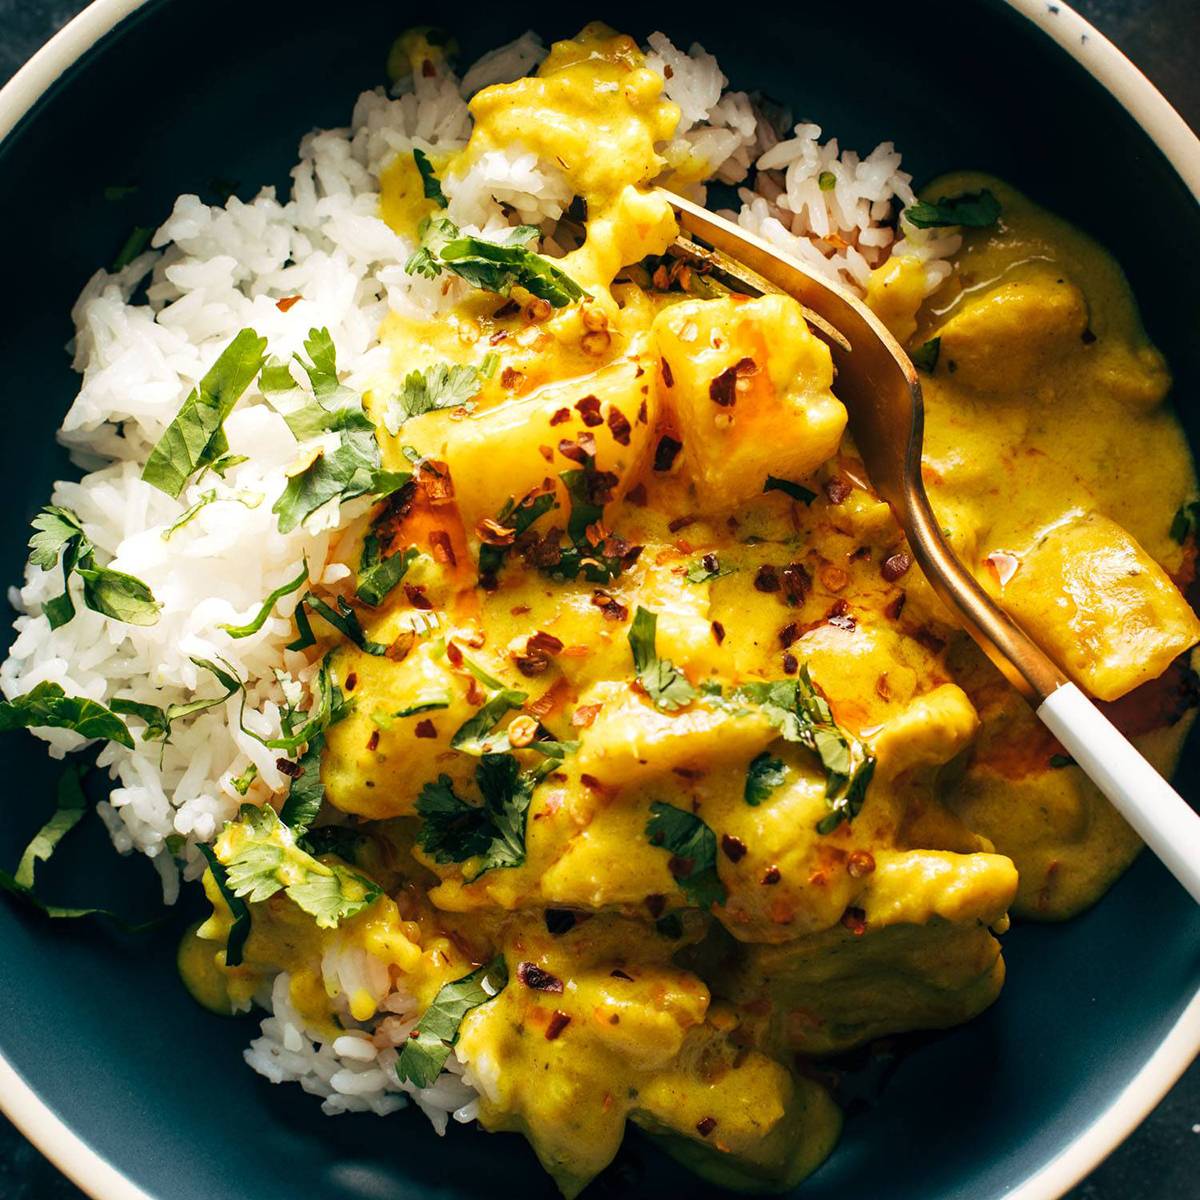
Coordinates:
[95,1175]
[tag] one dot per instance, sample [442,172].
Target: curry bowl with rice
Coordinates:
[482,614]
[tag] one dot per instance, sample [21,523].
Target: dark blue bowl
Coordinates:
[100,1037]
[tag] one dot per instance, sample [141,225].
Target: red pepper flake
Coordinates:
[539,649]
[895,566]
[668,378]
[860,864]
[665,452]
[656,905]
[734,847]
[855,920]
[286,302]
[718,632]
[579,450]
[428,69]
[291,769]
[417,598]
[499,336]
[861,552]
[563,414]
[443,551]
[519,610]
[425,729]
[454,654]
[584,715]
[838,489]
[609,605]
[705,1126]
[725,388]
[619,426]
[547,452]
[511,378]
[797,583]
[766,579]
[637,495]
[790,664]
[682,523]
[788,634]
[589,409]
[643,414]
[619,974]
[351,681]
[591,782]
[893,610]
[435,482]
[771,876]
[558,1022]
[475,692]
[509,308]
[373,740]
[533,977]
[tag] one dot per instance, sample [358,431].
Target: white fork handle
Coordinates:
[1158,814]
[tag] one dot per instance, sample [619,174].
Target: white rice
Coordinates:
[213,270]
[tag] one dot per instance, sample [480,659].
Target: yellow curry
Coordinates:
[667,720]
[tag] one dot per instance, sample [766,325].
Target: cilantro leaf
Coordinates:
[58,532]
[693,849]
[430,184]
[491,266]
[47,705]
[307,792]
[159,720]
[977,210]
[455,831]
[475,735]
[196,438]
[378,576]
[443,385]
[425,1051]
[797,491]
[265,859]
[763,776]
[1185,522]
[239,931]
[260,618]
[344,620]
[137,241]
[518,518]
[802,715]
[665,684]
[925,356]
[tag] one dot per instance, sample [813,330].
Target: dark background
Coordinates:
[1161,1161]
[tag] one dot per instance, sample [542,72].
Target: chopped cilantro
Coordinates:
[518,518]
[266,860]
[489,835]
[426,1049]
[476,735]
[797,491]
[306,793]
[246,499]
[693,849]
[134,244]
[260,618]
[196,438]
[430,184]
[239,930]
[47,705]
[1186,521]
[443,385]
[159,720]
[705,568]
[665,684]
[492,266]
[377,576]
[763,776]
[977,210]
[59,533]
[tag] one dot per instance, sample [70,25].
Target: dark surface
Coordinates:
[1162,1160]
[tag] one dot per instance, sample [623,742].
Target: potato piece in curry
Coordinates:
[663,719]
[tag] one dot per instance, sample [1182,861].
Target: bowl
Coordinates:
[105,1061]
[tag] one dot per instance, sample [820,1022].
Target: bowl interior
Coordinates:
[193,92]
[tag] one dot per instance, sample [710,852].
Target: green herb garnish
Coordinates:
[1186,521]
[665,684]
[430,184]
[48,705]
[763,776]
[925,356]
[693,849]
[492,266]
[706,568]
[443,385]
[378,576]
[239,931]
[976,210]
[425,1051]
[797,491]
[159,720]
[59,533]
[196,437]
[134,244]
[490,834]
[260,618]
[268,861]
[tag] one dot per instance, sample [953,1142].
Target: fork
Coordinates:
[879,387]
